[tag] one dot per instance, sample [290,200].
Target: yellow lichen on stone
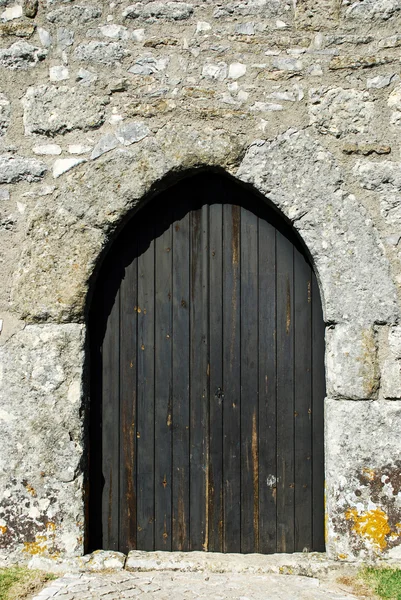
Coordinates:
[342,556]
[31,490]
[372,524]
[39,546]
[3,529]
[369,474]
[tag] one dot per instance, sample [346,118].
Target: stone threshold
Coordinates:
[305,564]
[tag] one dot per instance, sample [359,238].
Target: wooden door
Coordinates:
[207,380]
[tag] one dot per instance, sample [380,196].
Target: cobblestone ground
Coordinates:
[189,586]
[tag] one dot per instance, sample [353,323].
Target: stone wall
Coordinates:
[102,105]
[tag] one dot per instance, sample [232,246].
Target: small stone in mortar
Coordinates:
[31,8]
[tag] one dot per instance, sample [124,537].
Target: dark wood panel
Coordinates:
[318,395]
[249,383]
[163,382]
[285,394]
[111,427]
[146,391]
[199,388]
[181,332]
[215,369]
[302,401]
[267,388]
[231,374]
[212,379]
[128,378]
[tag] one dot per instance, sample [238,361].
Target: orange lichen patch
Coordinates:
[3,529]
[50,526]
[372,524]
[342,556]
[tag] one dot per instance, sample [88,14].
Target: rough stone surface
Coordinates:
[341,111]
[49,110]
[30,8]
[102,560]
[351,362]
[15,168]
[159,10]
[5,113]
[148,65]
[128,133]
[301,101]
[71,15]
[368,10]
[391,370]
[363,491]
[17,29]
[44,363]
[103,53]
[62,165]
[191,585]
[21,55]
[105,144]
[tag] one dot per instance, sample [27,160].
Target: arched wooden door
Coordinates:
[207,343]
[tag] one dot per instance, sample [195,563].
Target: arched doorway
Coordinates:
[207,380]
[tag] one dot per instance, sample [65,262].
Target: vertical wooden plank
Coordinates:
[215,509]
[249,383]
[318,393]
[128,376]
[111,427]
[146,380]
[267,388]
[231,378]
[199,414]
[163,380]
[180,344]
[285,395]
[302,401]
[181,450]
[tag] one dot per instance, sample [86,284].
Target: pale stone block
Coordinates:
[47,149]
[62,165]
[351,362]
[131,132]
[5,113]
[105,144]
[203,26]
[21,55]
[79,149]
[339,111]
[52,109]
[236,70]
[176,11]
[363,473]
[215,71]
[45,37]
[11,13]
[15,168]
[391,370]
[39,364]
[59,73]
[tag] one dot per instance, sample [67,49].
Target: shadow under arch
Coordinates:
[133,237]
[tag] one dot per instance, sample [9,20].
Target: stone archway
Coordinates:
[69,231]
